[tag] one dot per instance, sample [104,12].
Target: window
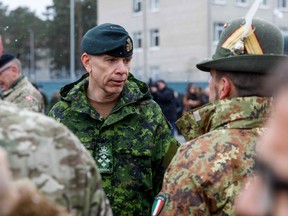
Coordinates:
[242,2]
[264,4]
[154,38]
[137,38]
[283,4]
[218,28]
[154,5]
[137,6]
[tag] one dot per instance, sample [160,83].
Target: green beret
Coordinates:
[107,38]
[5,58]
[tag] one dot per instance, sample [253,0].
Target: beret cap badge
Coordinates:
[129,45]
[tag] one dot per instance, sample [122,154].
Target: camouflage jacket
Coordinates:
[46,152]
[128,146]
[25,95]
[206,173]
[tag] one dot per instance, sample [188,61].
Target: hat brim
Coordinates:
[243,63]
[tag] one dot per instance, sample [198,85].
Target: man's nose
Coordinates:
[121,67]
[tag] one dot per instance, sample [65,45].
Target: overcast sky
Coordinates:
[38,6]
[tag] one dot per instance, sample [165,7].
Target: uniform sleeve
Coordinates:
[202,179]
[181,192]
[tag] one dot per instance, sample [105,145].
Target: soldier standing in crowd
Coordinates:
[191,99]
[16,88]
[206,174]
[165,97]
[114,116]
[46,152]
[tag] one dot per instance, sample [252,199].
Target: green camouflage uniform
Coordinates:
[207,172]
[45,151]
[25,95]
[128,146]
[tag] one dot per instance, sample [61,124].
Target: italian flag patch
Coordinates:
[158,205]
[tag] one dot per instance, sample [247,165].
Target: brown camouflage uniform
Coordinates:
[25,95]
[53,158]
[207,172]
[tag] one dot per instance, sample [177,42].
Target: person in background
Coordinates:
[15,87]
[53,159]
[54,99]
[165,97]
[202,95]
[266,192]
[191,99]
[206,174]
[114,116]
[21,197]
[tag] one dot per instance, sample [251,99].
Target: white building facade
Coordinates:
[170,37]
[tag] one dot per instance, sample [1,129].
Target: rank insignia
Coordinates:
[158,205]
[129,45]
[104,158]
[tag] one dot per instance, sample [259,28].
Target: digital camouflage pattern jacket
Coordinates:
[25,95]
[45,151]
[129,146]
[207,172]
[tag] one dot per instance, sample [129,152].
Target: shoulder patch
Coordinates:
[29,98]
[158,205]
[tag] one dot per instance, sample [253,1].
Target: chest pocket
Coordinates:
[134,165]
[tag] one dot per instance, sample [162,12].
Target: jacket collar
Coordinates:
[237,113]
[134,91]
[14,85]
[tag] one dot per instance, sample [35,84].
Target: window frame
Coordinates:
[154,38]
[137,6]
[138,40]
[218,28]
[242,3]
[154,5]
[280,4]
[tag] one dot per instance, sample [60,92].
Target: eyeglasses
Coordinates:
[4,69]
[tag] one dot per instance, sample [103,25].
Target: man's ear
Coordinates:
[86,62]
[225,88]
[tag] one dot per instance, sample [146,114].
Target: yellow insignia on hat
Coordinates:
[251,43]
[129,45]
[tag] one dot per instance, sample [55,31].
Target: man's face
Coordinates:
[160,85]
[109,73]
[6,77]
[213,87]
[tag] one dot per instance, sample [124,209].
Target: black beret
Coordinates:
[5,58]
[108,38]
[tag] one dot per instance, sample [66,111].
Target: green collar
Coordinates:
[236,113]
